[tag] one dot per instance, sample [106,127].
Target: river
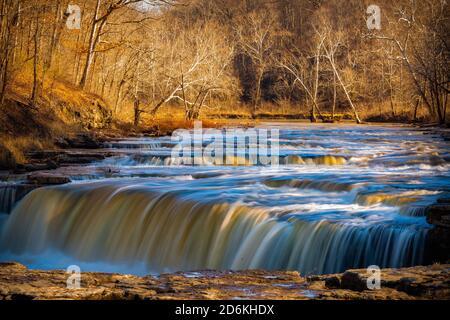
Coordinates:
[343,196]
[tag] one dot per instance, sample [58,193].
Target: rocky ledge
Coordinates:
[430,282]
[438,238]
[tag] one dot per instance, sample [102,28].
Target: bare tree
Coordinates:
[257,34]
[36,54]
[297,65]
[9,17]
[332,44]
[422,44]
[99,21]
[185,67]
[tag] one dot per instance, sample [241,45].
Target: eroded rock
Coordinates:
[47,179]
[18,282]
[352,280]
[438,238]
[439,215]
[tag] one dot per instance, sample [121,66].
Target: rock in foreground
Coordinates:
[18,282]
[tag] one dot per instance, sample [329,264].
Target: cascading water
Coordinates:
[172,231]
[7,198]
[10,194]
[343,209]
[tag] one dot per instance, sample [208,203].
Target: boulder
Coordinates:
[81,141]
[439,215]
[353,281]
[437,247]
[333,282]
[48,165]
[444,200]
[47,179]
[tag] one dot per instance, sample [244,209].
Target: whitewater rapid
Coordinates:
[342,197]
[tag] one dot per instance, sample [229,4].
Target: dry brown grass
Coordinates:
[13,149]
[382,112]
[61,111]
[69,103]
[222,111]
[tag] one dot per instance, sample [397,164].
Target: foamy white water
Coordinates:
[342,197]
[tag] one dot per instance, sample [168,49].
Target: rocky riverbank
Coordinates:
[438,238]
[427,282]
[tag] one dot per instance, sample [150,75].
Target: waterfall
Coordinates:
[10,194]
[327,186]
[7,198]
[175,230]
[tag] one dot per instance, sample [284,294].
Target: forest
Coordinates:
[153,59]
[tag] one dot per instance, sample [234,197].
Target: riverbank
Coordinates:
[422,282]
[60,150]
[66,117]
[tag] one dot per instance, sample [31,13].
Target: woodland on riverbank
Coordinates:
[149,63]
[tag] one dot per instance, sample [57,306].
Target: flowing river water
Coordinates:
[343,196]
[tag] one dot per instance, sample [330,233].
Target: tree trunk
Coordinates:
[257,99]
[334,97]
[137,112]
[316,86]
[9,15]
[54,36]
[118,96]
[416,108]
[358,120]
[93,38]
[391,90]
[34,92]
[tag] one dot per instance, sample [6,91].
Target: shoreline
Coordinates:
[86,147]
[421,282]
[66,150]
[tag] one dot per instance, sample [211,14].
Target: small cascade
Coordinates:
[176,231]
[11,194]
[138,144]
[327,160]
[227,160]
[327,186]
[392,199]
[413,211]
[7,198]
[323,247]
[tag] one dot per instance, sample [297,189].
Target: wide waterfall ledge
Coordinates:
[342,197]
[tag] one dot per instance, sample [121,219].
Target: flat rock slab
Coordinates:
[18,282]
[47,179]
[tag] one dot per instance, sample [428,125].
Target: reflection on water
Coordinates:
[342,197]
